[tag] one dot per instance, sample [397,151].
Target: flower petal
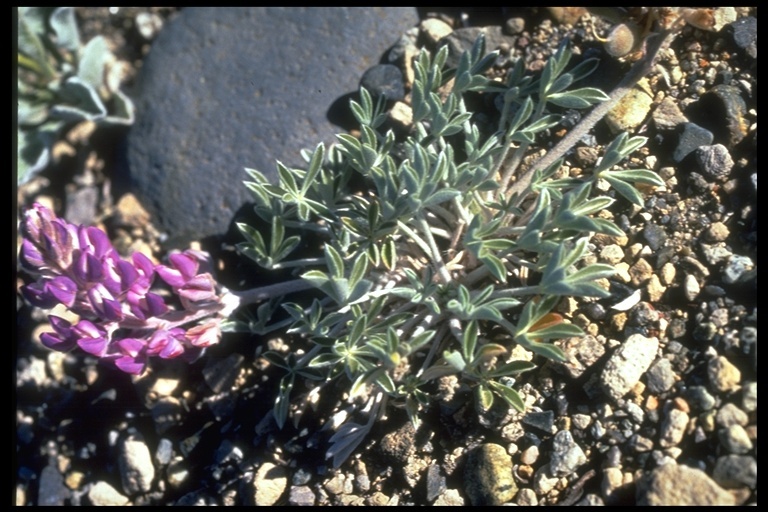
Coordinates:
[57,342]
[63,288]
[95,346]
[204,335]
[132,365]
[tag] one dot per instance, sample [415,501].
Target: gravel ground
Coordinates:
[657,404]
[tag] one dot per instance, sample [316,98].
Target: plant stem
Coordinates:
[254,295]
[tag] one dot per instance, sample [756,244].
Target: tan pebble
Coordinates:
[655,289]
[667,274]
[435,29]
[680,403]
[525,471]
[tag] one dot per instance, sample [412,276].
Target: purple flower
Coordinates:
[123,317]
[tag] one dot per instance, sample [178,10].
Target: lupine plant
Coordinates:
[440,262]
[61,81]
[434,259]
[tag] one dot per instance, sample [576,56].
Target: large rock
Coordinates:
[228,88]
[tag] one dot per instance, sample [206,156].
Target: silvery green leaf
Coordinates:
[91,68]
[484,312]
[625,189]
[253,236]
[286,248]
[584,69]
[324,360]
[495,266]
[469,341]
[562,330]
[593,205]
[562,82]
[544,123]
[509,395]
[82,102]
[359,291]
[607,227]
[521,116]
[511,368]
[316,278]
[31,113]
[358,269]
[441,196]
[389,254]
[613,153]
[123,110]
[484,397]
[547,350]
[282,404]
[64,26]
[334,261]
[578,98]
[33,155]
[385,381]
[455,360]
[644,176]
[315,164]
[345,441]
[287,179]
[592,273]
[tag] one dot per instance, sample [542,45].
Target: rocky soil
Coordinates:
[657,404]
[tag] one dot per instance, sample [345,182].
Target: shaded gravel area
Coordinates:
[656,405]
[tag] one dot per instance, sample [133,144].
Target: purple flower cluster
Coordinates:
[122,317]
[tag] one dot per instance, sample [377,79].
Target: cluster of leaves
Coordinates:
[61,82]
[423,269]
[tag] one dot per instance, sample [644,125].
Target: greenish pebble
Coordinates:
[488,476]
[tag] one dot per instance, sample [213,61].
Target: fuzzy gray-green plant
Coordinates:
[430,267]
[61,82]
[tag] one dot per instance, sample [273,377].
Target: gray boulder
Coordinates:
[228,88]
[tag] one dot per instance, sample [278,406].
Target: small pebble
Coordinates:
[673,428]
[691,138]
[745,35]
[435,29]
[730,414]
[678,485]
[734,439]
[136,469]
[736,267]
[736,470]
[101,494]
[301,496]
[691,288]
[269,483]
[384,80]
[667,116]
[514,26]
[723,375]
[567,455]
[715,162]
